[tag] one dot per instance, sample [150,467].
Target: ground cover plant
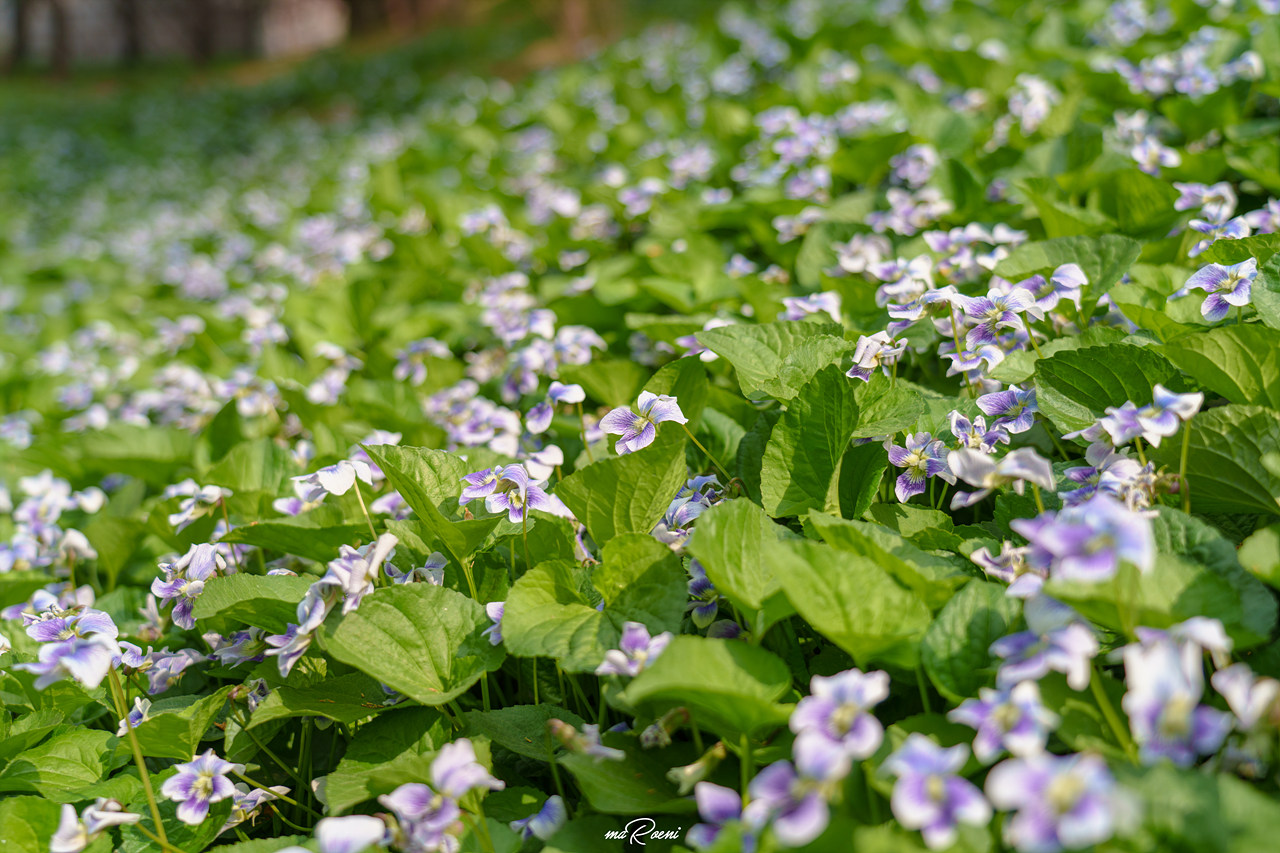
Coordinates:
[826,426]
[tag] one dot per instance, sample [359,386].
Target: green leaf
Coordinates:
[636,785]
[1019,366]
[1266,291]
[627,494]
[430,482]
[727,541]
[28,730]
[300,536]
[954,650]
[421,640]
[861,470]
[1242,363]
[115,539]
[585,835]
[1227,252]
[758,352]
[933,577]
[253,466]
[641,580]
[1260,554]
[521,728]
[1204,812]
[27,824]
[62,764]
[803,455]
[728,686]
[269,602]
[1103,259]
[885,407]
[393,749]
[550,611]
[1075,387]
[1196,573]
[614,382]
[177,733]
[346,699]
[1225,461]
[850,600]
[548,614]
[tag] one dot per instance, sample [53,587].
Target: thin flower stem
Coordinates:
[117,695]
[1183,485]
[471,582]
[1031,336]
[243,722]
[723,472]
[955,338]
[282,797]
[363,509]
[1113,719]
[586,445]
[555,770]
[748,766]
[484,690]
[1142,456]
[482,830]
[164,844]
[280,814]
[697,736]
[1035,490]
[923,684]
[227,518]
[524,532]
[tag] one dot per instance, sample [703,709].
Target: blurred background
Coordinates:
[64,36]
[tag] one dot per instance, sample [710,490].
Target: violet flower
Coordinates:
[1166,412]
[1012,567]
[1090,540]
[923,457]
[335,479]
[1014,410]
[792,798]
[199,783]
[1017,468]
[1166,683]
[639,430]
[432,571]
[75,833]
[1012,719]
[1226,287]
[515,494]
[838,711]
[929,795]
[494,610]
[83,659]
[636,651]
[1059,802]
[799,307]
[561,393]
[1252,699]
[56,624]
[136,717]
[184,581]
[544,823]
[993,312]
[873,351]
[585,742]
[480,484]
[717,806]
[1055,640]
[974,434]
[350,834]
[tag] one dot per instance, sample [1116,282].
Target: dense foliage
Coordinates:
[835,426]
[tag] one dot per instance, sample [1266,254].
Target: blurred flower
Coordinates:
[1059,802]
[929,795]
[838,711]
[1012,718]
[636,651]
[544,823]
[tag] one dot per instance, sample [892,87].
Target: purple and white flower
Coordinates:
[838,711]
[1017,468]
[515,494]
[717,806]
[1090,540]
[1014,410]
[635,651]
[1067,802]
[930,795]
[792,798]
[1056,640]
[923,457]
[543,823]
[75,833]
[494,610]
[639,430]
[199,783]
[1226,287]
[1166,683]
[1012,719]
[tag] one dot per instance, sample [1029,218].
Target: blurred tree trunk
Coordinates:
[18,51]
[131,31]
[365,15]
[60,57]
[203,43]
